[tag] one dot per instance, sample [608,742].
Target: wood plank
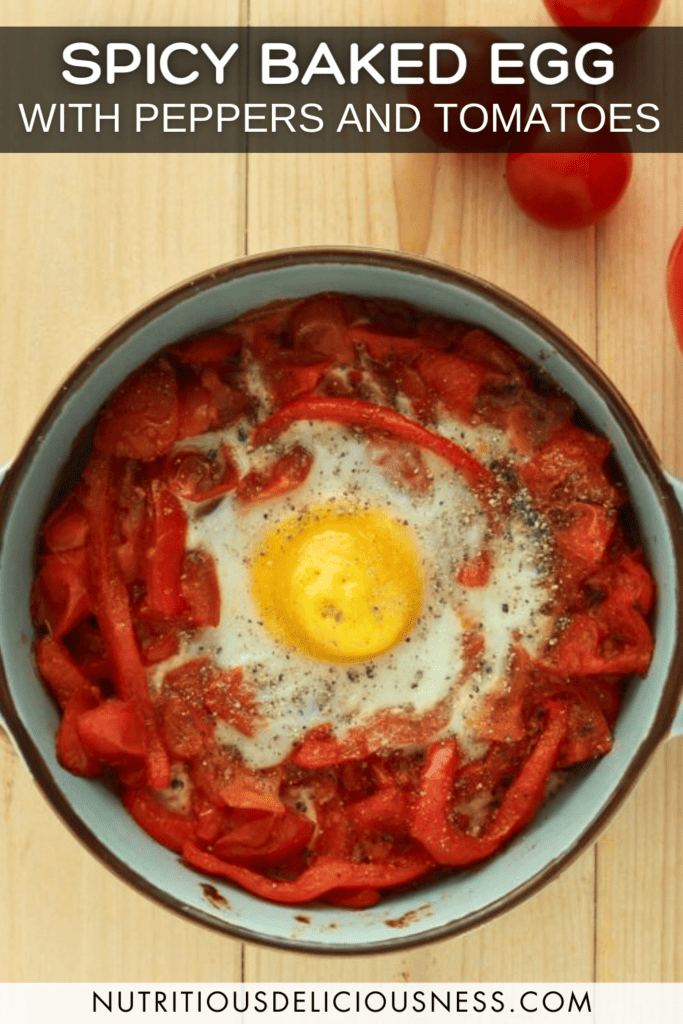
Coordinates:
[640,903]
[86,239]
[454,209]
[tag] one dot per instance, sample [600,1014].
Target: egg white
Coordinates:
[296,692]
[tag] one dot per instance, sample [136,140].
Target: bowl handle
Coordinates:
[5,734]
[677,724]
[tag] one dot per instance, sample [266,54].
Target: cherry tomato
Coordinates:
[475,87]
[603,13]
[561,180]
[674,287]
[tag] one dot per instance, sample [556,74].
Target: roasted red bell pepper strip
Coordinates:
[113,732]
[212,347]
[169,829]
[58,669]
[71,753]
[201,590]
[387,810]
[115,621]
[66,529]
[165,553]
[352,899]
[60,594]
[266,839]
[323,875]
[353,412]
[431,823]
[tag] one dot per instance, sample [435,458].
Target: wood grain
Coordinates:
[86,239]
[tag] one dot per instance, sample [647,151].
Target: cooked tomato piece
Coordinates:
[201,590]
[456,381]
[223,692]
[61,596]
[113,732]
[231,699]
[67,527]
[265,838]
[570,467]
[201,476]
[140,421]
[158,639]
[228,403]
[529,420]
[211,347]
[168,828]
[609,640]
[588,732]
[88,650]
[226,781]
[381,346]
[71,752]
[58,669]
[404,466]
[475,571]
[185,728]
[588,533]
[628,581]
[282,476]
[196,413]
[318,325]
[410,383]
[295,373]
[321,749]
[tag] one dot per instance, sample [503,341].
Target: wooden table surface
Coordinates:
[88,238]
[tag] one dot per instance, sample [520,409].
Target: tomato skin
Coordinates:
[474,87]
[560,180]
[674,287]
[60,597]
[197,476]
[201,590]
[318,325]
[141,419]
[113,732]
[602,13]
[71,752]
[59,671]
[281,477]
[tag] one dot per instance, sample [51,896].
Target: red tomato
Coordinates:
[140,420]
[201,590]
[318,325]
[198,476]
[561,180]
[603,13]
[61,596]
[113,732]
[674,287]
[475,87]
[281,477]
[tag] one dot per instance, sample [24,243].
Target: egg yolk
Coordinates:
[338,582]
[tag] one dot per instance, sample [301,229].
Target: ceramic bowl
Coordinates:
[569,822]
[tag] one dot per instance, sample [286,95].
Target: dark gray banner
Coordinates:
[337,90]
